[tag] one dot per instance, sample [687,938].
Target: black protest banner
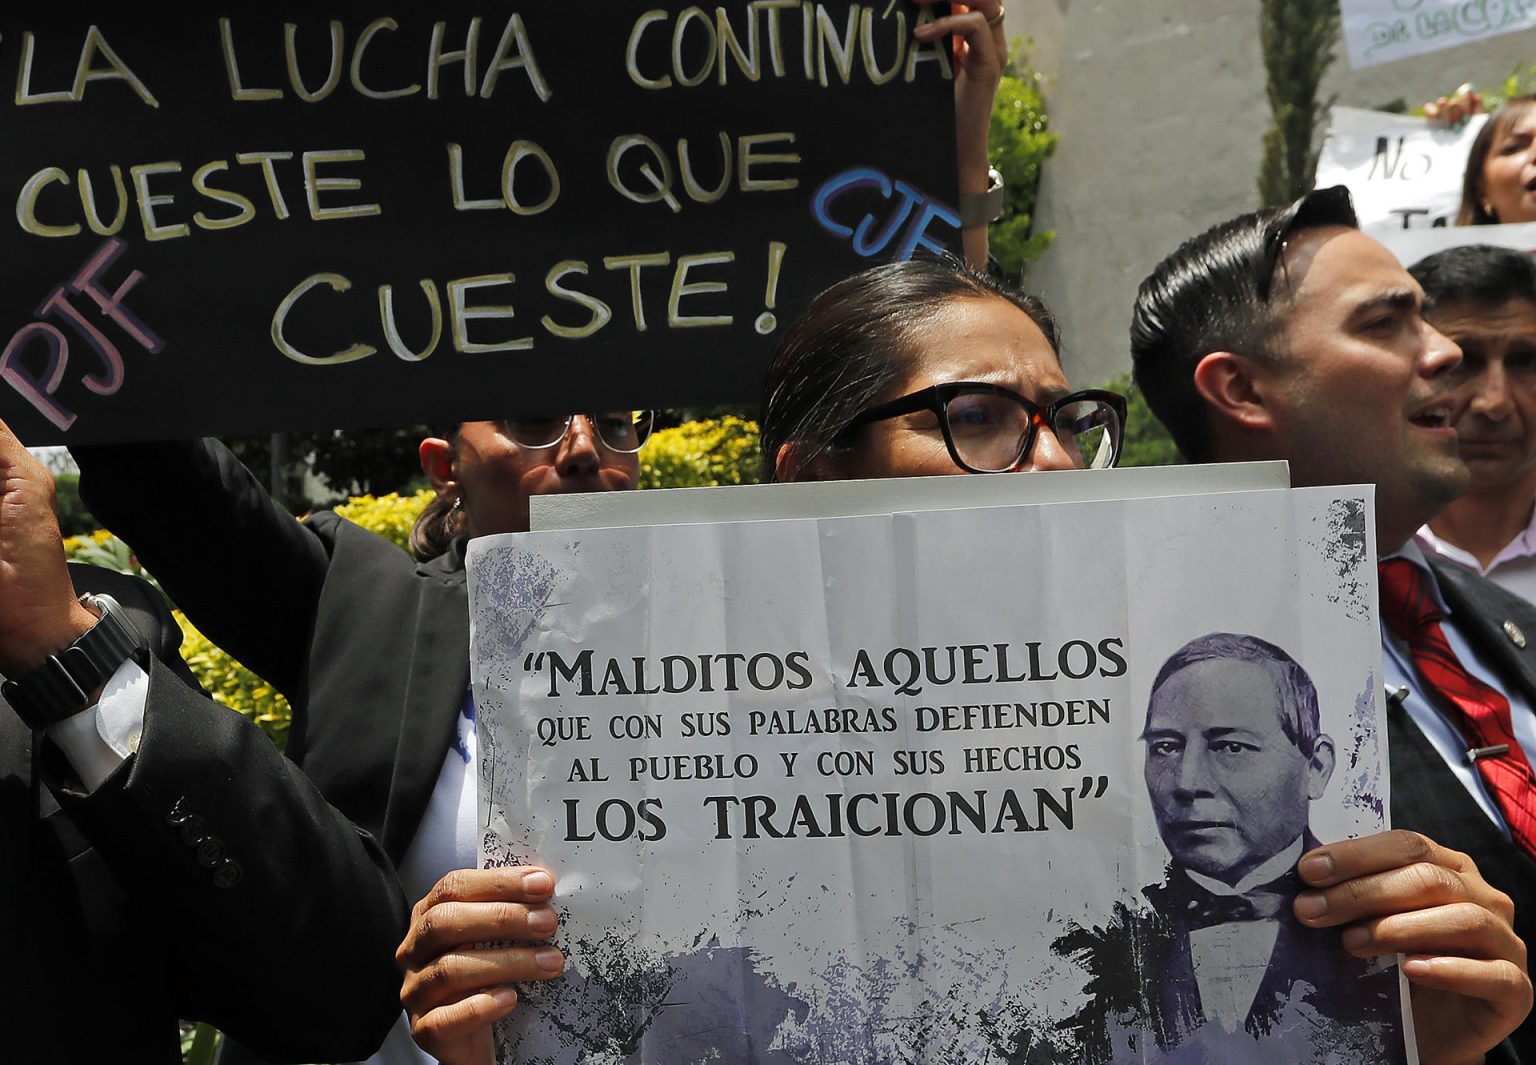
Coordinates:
[272,216]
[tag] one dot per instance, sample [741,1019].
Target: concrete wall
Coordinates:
[1161,111]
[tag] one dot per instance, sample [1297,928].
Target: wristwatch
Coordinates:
[982,208]
[62,686]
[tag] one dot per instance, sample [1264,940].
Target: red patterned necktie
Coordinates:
[1479,711]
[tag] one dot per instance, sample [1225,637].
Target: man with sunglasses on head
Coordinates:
[1289,334]
[370,646]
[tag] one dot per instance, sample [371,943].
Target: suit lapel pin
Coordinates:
[1516,636]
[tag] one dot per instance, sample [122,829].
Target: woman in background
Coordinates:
[1499,182]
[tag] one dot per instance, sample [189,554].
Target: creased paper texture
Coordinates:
[1022,784]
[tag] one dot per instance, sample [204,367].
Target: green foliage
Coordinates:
[1147,443]
[1521,82]
[255,452]
[353,461]
[101,548]
[368,461]
[672,417]
[1020,141]
[391,516]
[700,453]
[1297,38]
[74,517]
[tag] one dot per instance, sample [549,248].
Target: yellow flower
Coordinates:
[697,454]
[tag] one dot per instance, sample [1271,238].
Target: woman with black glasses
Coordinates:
[928,367]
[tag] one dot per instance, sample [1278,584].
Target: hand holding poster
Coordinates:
[257,219]
[870,789]
[1402,171]
[1379,31]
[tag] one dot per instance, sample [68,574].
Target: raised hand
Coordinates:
[39,614]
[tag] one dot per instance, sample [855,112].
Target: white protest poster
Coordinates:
[890,495]
[898,788]
[1414,244]
[1402,171]
[1379,31]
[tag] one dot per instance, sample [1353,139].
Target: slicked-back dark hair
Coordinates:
[1477,273]
[855,340]
[1217,292]
[1473,186]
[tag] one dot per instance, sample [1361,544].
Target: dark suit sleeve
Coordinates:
[244,571]
[258,884]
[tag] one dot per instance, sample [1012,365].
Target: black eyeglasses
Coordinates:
[621,431]
[991,429]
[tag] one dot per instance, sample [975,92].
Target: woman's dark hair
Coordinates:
[1472,184]
[854,341]
[439,524]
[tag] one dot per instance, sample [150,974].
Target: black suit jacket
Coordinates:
[1428,798]
[205,871]
[370,647]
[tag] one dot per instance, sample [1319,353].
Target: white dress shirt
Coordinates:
[98,740]
[1513,568]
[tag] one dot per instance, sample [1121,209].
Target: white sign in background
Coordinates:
[1402,171]
[1411,245]
[1379,31]
[717,902]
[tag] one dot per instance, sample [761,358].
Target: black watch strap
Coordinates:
[61,687]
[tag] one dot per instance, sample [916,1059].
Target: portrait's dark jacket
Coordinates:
[204,873]
[370,647]
[1141,976]
[1427,797]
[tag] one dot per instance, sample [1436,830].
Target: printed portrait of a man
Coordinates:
[1215,966]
